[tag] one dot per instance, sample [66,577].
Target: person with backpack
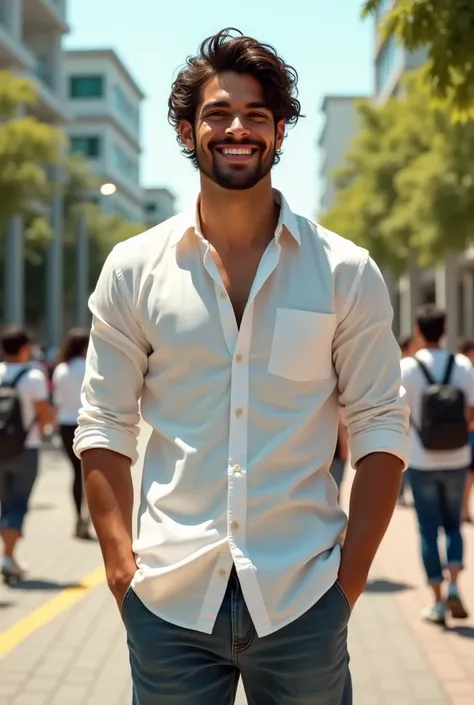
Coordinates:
[439,389]
[24,414]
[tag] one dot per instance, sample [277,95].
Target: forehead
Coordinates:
[233,88]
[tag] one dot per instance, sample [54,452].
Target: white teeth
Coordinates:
[240,150]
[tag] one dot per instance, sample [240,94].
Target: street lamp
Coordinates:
[82,284]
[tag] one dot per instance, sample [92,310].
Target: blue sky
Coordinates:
[323,39]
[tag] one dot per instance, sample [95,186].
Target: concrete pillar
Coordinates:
[54,276]
[82,283]
[468,304]
[410,297]
[14,292]
[14,13]
[57,64]
[447,297]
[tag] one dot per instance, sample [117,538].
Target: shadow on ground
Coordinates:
[38,584]
[464,632]
[4,604]
[387,586]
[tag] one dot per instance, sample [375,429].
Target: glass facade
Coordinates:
[88,146]
[389,60]
[86,87]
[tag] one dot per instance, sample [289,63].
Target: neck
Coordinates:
[232,219]
[12,360]
[432,346]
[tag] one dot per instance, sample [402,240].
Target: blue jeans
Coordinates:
[304,663]
[17,479]
[438,496]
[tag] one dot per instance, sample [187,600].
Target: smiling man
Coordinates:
[243,329]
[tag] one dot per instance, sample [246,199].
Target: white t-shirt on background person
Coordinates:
[31,388]
[67,384]
[415,383]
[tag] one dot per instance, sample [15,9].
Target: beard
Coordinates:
[236,177]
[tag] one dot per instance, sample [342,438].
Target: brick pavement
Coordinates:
[80,657]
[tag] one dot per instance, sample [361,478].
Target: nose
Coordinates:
[237,128]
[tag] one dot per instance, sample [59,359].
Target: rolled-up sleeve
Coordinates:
[367,361]
[117,361]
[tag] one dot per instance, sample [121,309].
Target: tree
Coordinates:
[446,28]
[27,148]
[408,187]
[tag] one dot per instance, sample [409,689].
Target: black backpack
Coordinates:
[443,412]
[12,431]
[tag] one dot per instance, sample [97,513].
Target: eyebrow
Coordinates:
[226,104]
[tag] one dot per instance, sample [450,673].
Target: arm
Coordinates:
[106,438]
[367,362]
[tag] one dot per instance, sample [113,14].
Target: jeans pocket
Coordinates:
[125,598]
[343,598]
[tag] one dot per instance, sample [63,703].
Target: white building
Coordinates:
[159,205]
[451,285]
[30,44]
[104,102]
[339,129]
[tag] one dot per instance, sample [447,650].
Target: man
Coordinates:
[243,328]
[18,473]
[436,385]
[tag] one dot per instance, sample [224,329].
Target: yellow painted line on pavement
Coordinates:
[47,612]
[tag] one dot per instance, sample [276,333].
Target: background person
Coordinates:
[18,474]
[467,348]
[67,383]
[438,475]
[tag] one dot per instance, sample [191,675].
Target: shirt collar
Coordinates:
[189,220]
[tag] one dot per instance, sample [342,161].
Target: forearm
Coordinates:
[373,499]
[109,491]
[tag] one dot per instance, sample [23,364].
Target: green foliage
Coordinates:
[446,28]
[27,148]
[30,153]
[408,186]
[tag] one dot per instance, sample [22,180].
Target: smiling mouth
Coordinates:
[237,152]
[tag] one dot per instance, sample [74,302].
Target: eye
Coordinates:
[217,113]
[258,116]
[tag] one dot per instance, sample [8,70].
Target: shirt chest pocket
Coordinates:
[302,345]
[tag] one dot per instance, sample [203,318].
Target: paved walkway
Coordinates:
[63,644]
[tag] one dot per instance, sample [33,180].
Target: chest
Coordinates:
[238,272]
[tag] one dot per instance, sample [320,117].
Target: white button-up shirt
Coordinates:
[244,421]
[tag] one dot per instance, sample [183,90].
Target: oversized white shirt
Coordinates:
[244,421]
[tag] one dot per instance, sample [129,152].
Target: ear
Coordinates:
[186,134]
[280,133]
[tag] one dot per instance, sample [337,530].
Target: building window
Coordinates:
[125,107]
[150,207]
[88,146]
[86,86]
[125,164]
[389,60]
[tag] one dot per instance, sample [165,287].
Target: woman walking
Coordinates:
[67,383]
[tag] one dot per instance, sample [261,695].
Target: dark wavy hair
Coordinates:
[75,344]
[241,54]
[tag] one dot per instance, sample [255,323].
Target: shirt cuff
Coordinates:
[380,441]
[88,437]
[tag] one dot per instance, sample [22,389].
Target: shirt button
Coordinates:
[223,295]
[237,468]
[239,412]
[235,525]
[222,573]
[238,357]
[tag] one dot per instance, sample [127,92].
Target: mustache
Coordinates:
[232,143]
